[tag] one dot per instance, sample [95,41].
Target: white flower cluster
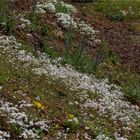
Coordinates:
[127,12]
[15,116]
[9,41]
[102,137]
[86,29]
[42,124]
[45,7]
[61,135]
[0,87]
[114,105]
[52,1]
[66,20]
[20,118]
[110,103]
[75,120]
[4,135]
[124,13]
[118,136]
[24,23]
[22,56]
[29,134]
[23,104]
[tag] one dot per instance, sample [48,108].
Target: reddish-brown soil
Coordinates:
[122,38]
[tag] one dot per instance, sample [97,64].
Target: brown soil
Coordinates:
[122,38]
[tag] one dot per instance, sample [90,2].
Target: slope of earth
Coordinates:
[123,37]
[40,98]
[48,95]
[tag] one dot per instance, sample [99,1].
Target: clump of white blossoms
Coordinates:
[74,120]
[23,22]
[118,136]
[124,13]
[102,137]
[26,21]
[111,102]
[24,103]
[45,7]
[42,124]
[52,1]
[27,126]
[29,134]
[7,41]
[4,135]
[61,135]
[86,29]
[66,20]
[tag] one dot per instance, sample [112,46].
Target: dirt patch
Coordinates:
[22,6]
[121,37]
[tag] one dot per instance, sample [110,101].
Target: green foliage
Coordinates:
[68,42]
[81,61]
[40,133]
[77,58]
[114,9]
[49,50]
[127,80]
[60,8]
[132,88]
[118,16]
[71,125]
[39,26]
[5,74]
[15,129]
[77,55]
[7,20]
[4,7]
[136,133]
[9,25]
[35,21]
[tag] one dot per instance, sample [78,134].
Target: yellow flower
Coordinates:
[70,116]
[38,105]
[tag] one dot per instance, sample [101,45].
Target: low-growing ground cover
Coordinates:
[55,87]
[62,97]
[119,9]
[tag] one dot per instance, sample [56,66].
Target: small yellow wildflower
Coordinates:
[38,105]
[70,116]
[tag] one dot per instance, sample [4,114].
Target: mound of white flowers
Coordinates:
[110,104]
[65,18]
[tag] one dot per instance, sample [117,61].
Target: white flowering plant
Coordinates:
[45,7]
[66,20]
[65,8]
